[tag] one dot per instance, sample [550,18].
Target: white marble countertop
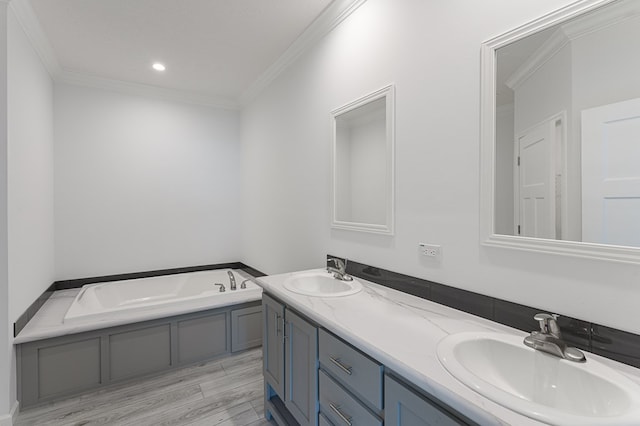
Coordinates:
[402,331]
[49,320]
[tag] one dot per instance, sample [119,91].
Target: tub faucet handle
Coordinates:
[222,289]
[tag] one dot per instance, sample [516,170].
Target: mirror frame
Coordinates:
[387,92]
[488,237]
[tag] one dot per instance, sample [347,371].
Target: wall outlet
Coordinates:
[430,250]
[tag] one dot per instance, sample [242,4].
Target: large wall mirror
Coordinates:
[363,163]
[561,133]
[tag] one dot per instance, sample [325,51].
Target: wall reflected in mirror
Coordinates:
[567,164]
[363,164]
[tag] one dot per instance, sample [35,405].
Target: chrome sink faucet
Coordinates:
[340,270]
[232,280]
[549,339]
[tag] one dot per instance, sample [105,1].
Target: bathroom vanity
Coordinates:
[371,358]
[317,378]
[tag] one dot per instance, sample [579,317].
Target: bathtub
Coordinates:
[166,294]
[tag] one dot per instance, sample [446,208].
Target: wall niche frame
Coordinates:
[488,150]
[363,163]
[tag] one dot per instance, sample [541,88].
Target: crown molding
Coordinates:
[541,56]
[140,89]
[31,26]
[573,30]
[333,15]
[603,18]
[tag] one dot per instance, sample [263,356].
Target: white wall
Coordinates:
[505,208]
[602,75]
[142,184]
[431,50]
[29,197]
[362,168]
[545,93]
[368,168]
[30,157]
[5,340]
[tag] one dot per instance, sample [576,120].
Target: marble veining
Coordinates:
[402,332]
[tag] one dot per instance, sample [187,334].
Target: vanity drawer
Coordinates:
[359,373]
[340,408]
[323,421]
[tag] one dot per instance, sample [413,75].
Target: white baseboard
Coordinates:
[8,419]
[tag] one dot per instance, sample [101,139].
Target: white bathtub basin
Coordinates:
[163,294]
[321,284]
[539,385]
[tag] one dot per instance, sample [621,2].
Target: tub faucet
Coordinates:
[232,280]
[221,287]
[549,339]
[340,270]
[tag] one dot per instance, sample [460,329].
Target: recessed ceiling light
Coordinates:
[159,67]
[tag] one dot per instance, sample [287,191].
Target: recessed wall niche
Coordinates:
[363,163]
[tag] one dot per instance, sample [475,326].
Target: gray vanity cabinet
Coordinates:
[273,344]
[404,407]
[301,369]
[312,377]
[290,357]
[350,383]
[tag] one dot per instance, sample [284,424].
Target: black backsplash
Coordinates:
[605,341]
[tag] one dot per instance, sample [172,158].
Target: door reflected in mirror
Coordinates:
[567,129]
[362,190]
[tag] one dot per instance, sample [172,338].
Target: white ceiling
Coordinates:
[213,48]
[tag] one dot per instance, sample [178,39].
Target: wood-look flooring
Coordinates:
[222,392]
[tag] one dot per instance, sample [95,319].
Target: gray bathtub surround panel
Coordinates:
[608,342]
[248,333]
[58,367]
[23,319]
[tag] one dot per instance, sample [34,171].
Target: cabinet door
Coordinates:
[403,407]
[301,369]
[246,328]
[273,346]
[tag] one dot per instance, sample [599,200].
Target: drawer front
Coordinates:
[406,408]
[350,367]
[340,408]
[323,421]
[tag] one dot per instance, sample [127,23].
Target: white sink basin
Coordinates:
[321,284]
[539,385]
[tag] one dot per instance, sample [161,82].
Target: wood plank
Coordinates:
[226,383]
[118,393]
[242,414]
[204,409]
[220,392]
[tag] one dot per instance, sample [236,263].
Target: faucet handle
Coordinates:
[547,322]
[339,263]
